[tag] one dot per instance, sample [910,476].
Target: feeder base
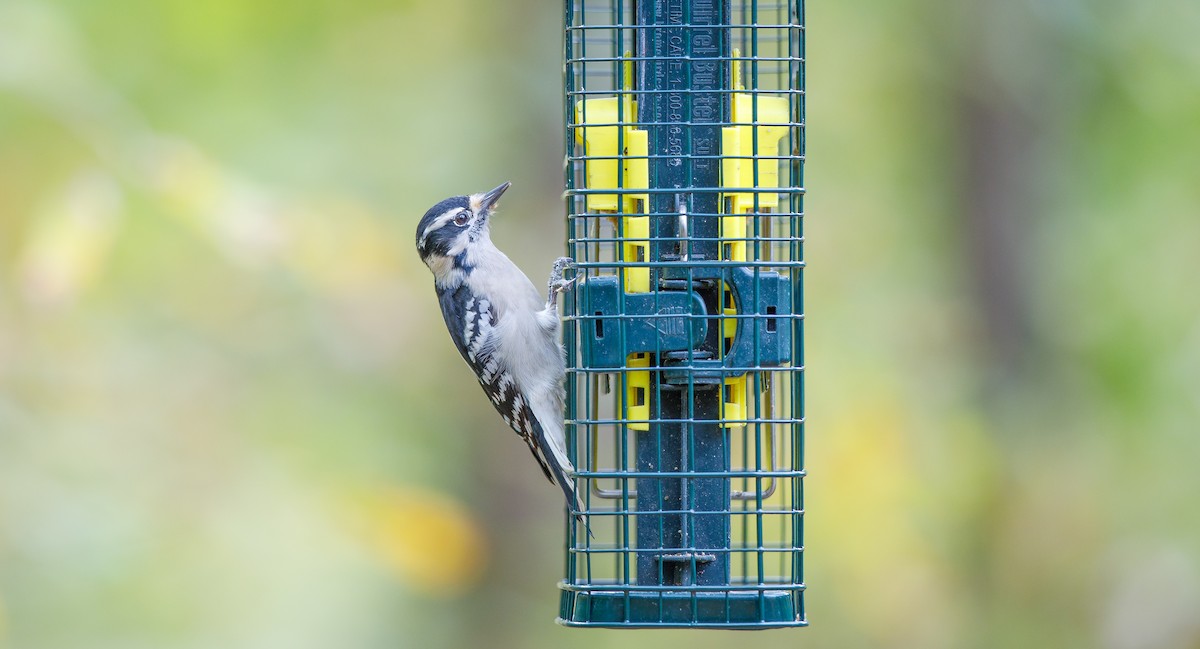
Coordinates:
[734,609]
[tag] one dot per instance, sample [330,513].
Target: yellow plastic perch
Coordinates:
[734,389]
[749,147]
[613,146]
[757,125]
[637,392]
[617,163]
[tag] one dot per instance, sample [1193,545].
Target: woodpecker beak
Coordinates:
[488,201]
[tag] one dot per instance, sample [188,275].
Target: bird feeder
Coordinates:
[685,385]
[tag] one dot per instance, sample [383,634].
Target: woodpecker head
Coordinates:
[449,228]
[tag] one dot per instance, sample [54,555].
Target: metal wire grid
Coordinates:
[615,412]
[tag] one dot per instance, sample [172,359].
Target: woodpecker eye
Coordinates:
[462,218]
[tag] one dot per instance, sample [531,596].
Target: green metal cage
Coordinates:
[685,385]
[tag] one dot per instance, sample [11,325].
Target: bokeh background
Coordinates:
[230,416]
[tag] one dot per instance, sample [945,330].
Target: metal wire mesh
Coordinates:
[684,192]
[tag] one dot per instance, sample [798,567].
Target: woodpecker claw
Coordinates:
[562,285]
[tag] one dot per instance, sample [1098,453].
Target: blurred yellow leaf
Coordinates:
[70,240]
[893,581]
[430,540]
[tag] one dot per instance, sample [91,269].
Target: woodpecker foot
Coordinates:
[557,284]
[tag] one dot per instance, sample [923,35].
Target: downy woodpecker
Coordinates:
[502,327]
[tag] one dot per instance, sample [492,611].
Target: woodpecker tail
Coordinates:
[563,479]
[560,470]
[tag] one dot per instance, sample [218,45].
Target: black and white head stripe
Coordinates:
[436,219]
[453,224]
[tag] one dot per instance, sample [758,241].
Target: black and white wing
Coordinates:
[472,324]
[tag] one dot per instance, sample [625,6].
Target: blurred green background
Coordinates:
[230,416]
